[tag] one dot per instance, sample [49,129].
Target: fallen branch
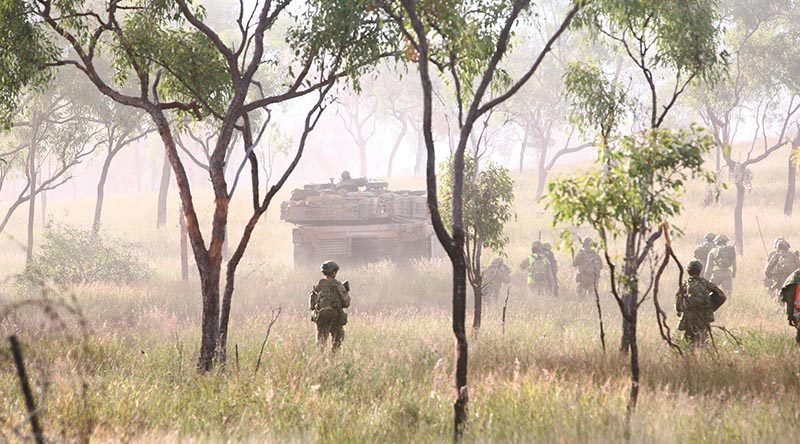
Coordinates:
[16,350]
[275,314]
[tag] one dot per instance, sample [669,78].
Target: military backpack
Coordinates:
[329,307]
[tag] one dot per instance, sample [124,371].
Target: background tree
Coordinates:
[488,206]
[358,112]
[119,128]
[50,134]
[634,190]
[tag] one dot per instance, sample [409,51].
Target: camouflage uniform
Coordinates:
[702,249]
[589,265]
[540,272]
[790,294]
[494,277]
[780,266]
[721,264]
[327,302]
[547,250]
[695,303]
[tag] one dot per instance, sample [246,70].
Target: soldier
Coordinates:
[721,264]
[347,183]
[695,303]
[495,276]
[539,271]
[547,250]
[327,302]
[780,266]
[790,294]
[589,265]
[703,248]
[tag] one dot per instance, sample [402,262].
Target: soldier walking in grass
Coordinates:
[703,248]
[790,294]
[721,264]
[695,303]
[780,265]
[547,250]
[495,276]
[589,265]
[327,302]
[540,273]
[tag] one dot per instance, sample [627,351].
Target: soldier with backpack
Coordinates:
[695,303]
[589,265]
[780,266]
[790,294]
[721,264]
[547,250]
[703,248]
[327,302]
[540,272]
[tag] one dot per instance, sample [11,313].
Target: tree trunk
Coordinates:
[477,289]
[101,185]
[791,184]
[634,347]
[541,170]
[184,245]
[395,147]
[737,218]
[630,294]
[362,156]
[32,202]
[522,149]
[459,331]
[163,189]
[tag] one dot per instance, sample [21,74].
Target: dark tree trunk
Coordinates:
[101,185]
[634,347]
[459,331]
[791,184]
[630,294]
[184,245]
[163,190]
[477,288]
[737,218]
[541,169]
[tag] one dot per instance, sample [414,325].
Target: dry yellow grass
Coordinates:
[546,379]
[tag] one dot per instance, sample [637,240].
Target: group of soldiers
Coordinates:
[701,296]
[709,283]
[541,271]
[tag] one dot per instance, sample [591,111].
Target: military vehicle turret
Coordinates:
[357,220]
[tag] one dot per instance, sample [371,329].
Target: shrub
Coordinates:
[72,255]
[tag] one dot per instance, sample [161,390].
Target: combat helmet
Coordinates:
[329,267]
[783,245]
[710,237]
[721,240]
[346,175]
[694,267]
[536,247]
[777,242]
[588,242]
[547,247]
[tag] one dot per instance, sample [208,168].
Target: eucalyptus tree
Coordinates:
[488,197]
[632,192]
[678,42]
[181,65]
[465,42]
[50,133]
[763,87]
[120,127]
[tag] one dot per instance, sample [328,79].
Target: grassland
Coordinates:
[546,379]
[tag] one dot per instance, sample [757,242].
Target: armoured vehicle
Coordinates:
[357,220]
